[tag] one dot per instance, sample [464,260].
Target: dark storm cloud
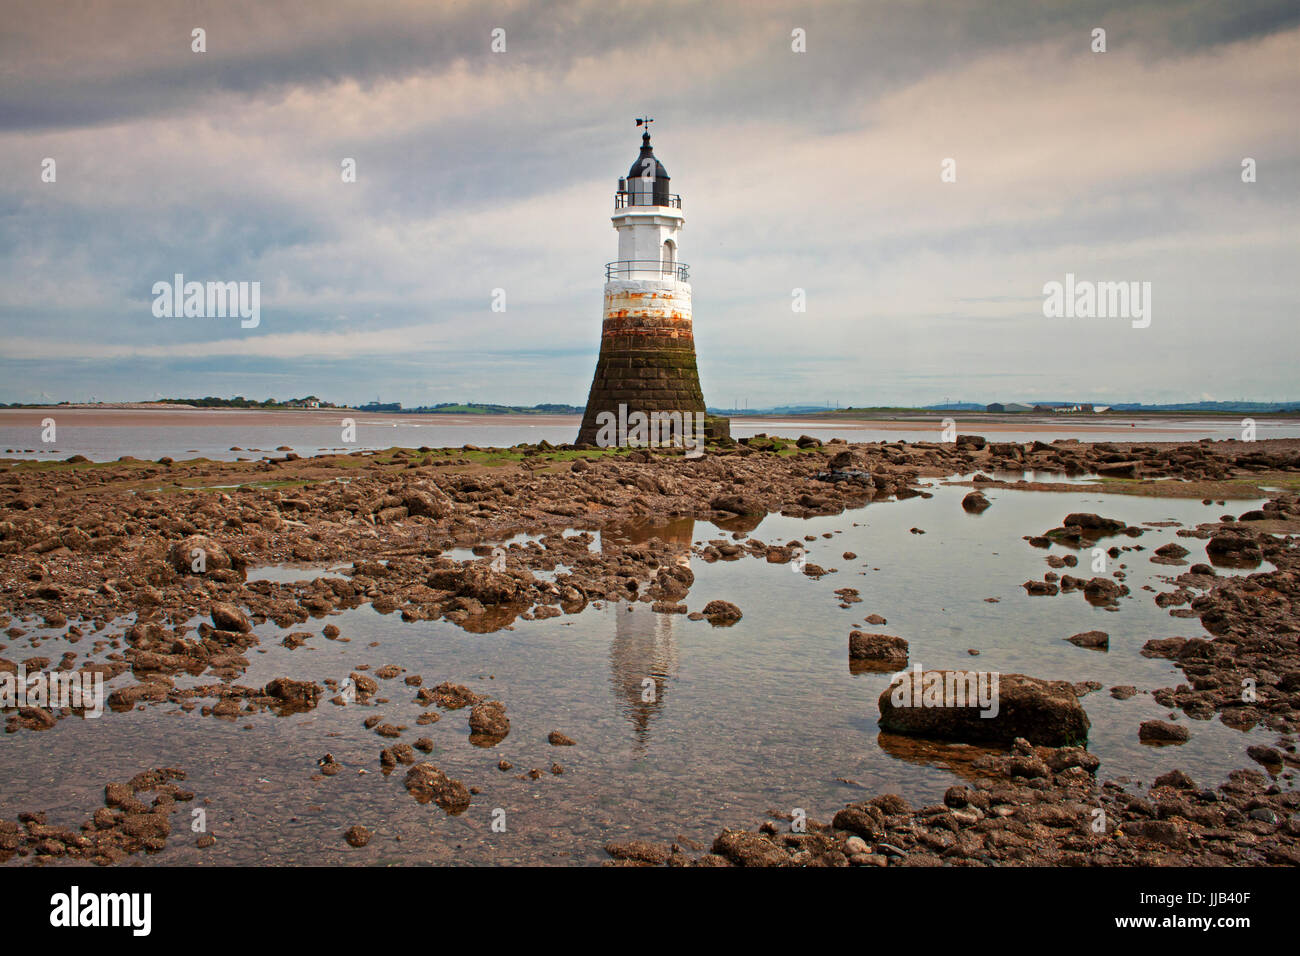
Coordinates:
[71,66]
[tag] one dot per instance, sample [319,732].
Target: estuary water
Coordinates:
[105,434]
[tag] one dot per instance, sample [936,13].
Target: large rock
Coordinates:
[124,698]
[447,695]
[737,504]
[430,503]
[488,719]
[293,695]
[1098,640]
[1234,547]
[1162,732]
[638,851]
[1082,526]
[1119,469]
[882,649]
[862,819]
[428,784]
[935,705]
[227,617]
[722,613]
[749,849]
[183,555]
[483,584]
[1103,590]
[1093,523]
[1163,832]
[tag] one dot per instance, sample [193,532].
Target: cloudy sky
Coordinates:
[816,170]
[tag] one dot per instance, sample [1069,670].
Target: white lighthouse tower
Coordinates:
[648,219]
[647,347]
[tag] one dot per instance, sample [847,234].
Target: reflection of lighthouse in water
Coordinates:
[643,657]
[643,654]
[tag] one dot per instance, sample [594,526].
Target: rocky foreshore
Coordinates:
[1037,806]
[126,554]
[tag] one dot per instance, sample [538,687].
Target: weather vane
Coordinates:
[645,121]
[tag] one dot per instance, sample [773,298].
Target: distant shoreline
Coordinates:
[870,416]
[462,410]
[974,414]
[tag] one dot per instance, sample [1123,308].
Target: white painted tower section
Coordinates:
[647,285]
[648,240]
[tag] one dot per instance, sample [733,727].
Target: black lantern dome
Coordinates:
[647,180]
[647,160]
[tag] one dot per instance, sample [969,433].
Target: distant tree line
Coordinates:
[239,401]
[482,408]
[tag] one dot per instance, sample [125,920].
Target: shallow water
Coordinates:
[228,434]
[762,715]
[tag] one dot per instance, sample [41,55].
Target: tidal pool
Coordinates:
[764,715]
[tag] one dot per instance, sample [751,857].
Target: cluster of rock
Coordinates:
[124,826]
[1039,806]
[1249,673]
[1205,460]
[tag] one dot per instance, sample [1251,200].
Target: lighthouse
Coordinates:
[647,349]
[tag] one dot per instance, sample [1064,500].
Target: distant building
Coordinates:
[1048,408]
[1081,408]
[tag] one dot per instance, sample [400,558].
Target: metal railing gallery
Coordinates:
[639,268]
[624,198]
